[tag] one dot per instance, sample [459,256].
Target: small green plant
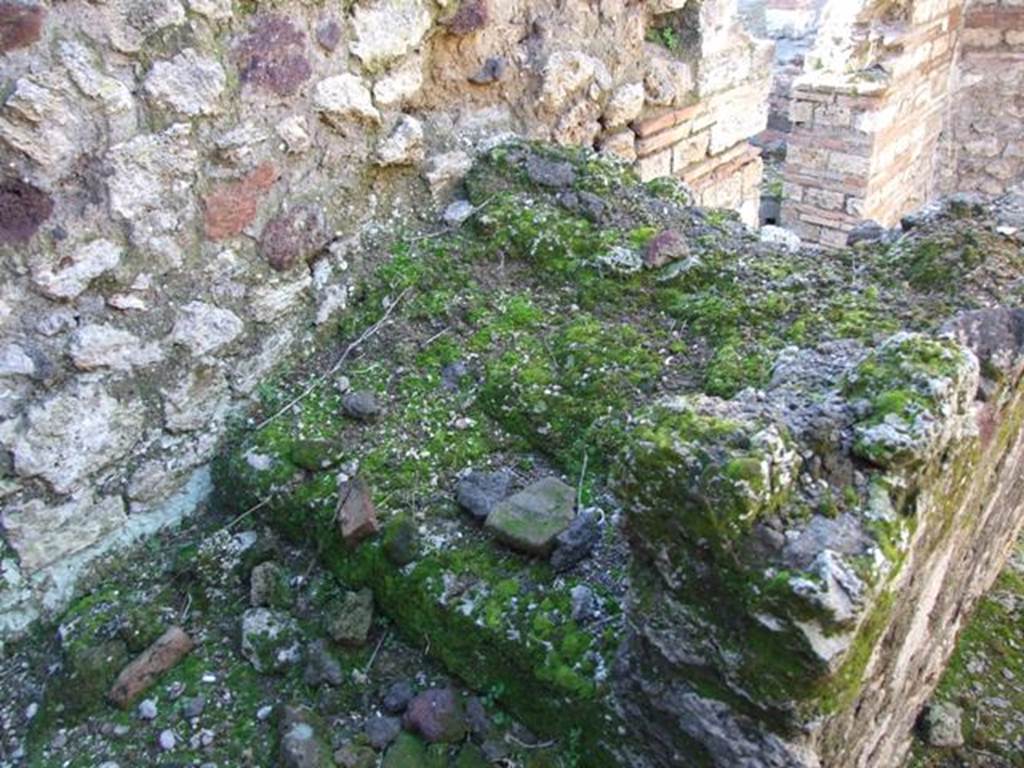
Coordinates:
[572,756]
[666,37]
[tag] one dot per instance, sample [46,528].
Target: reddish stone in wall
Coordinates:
[273,56]
[23,209]
[231,207]
[471,16]
[356,515]
[294,236]
[20,25]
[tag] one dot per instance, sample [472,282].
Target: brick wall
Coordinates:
[936,106]
[985,151]
[705,143]
[865,144]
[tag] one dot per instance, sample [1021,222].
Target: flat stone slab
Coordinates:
[531,520]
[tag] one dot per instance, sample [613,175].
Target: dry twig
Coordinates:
[337,365]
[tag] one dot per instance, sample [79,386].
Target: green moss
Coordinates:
[987,665]
[734,367]
[401,541]
[141,626]
[470,756]
[934,265]
[563,355]
[905,384]
[571,394]
[697,477]
[842,688]
[314,455]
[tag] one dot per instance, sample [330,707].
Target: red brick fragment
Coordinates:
[170,648]
[356,515]
[232,206]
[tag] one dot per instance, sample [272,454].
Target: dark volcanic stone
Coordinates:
[576,542]
[550,173]
[193,707]
[23,209]
[437,715]
[397,697]
[479,492]
[273,56]
[476,717]
[328,34]
[381,730]
[471,17]
[294,236]
[20,25]
[321,666]
[362,406]
[583,203]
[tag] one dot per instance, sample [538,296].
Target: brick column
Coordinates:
[865,145]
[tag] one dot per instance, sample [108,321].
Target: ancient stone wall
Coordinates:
[792,25]
[190,186]
[866,135]
[899,103]
[703,137]
[985,133]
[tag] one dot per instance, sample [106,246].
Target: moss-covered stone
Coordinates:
[564,356]
[91,672]
[407,752]
[912,388]
[691,474]
[470,756]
